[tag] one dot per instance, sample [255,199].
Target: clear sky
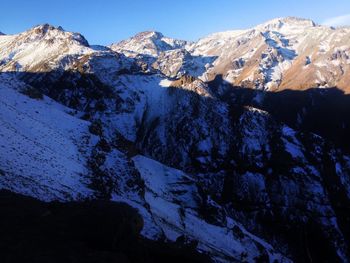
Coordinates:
[107,21]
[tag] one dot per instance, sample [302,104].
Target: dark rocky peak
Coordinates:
[45,28]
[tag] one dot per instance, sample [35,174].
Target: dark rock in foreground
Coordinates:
[94,231]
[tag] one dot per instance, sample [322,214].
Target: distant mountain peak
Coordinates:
[49,31]
[294,20]
[45,28]
[149,34]
[278,23]
[148,43]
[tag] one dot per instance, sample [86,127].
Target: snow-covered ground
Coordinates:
[39,148]
[173,200]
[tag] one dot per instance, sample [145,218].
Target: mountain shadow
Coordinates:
[323,111]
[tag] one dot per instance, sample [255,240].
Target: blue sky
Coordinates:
[107,21]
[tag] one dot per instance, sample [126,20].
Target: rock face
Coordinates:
[202,138]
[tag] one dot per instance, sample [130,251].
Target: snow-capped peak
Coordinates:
[149,43]
[40,48]
[148,34]
[286,22]
[47,32]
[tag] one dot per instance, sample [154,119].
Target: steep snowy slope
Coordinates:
[41,150]
[45,153]
[174,202]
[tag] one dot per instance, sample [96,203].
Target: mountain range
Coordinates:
[238,141]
